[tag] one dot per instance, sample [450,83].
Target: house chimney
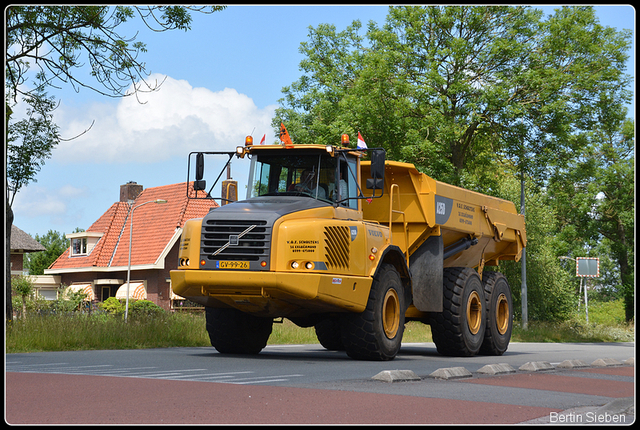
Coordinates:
[130,191]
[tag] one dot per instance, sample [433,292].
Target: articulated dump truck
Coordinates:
[353,248]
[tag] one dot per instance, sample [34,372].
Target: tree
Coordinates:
[594,199]
[551,294]
[59,41]
[614,211]
[24,288]
[472,96]
[55,243]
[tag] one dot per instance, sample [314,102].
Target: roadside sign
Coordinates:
[587,267]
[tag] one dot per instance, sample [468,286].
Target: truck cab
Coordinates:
[294,244]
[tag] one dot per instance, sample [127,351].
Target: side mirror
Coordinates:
[376,181]
[199,183]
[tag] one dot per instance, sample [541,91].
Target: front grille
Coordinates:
[337,240]
[253,246]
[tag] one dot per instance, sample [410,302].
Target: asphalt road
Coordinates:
[297,384]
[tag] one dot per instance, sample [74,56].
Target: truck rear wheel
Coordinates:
[235,332]
[329,334]
[499,314]
[459,329]
[376,333]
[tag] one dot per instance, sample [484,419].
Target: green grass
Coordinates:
[101,331]
[606,324]
[84,332]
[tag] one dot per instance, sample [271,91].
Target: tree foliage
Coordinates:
[440,86]
[30,142]
[593,196]
[55,243]
[60,40]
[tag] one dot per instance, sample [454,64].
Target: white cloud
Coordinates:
[33,201]
[169,122]
[57,206]
[41,207]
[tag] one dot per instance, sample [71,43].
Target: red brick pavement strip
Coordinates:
[566,384]
[33,398]
[617,371]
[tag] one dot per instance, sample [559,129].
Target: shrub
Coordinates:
[112,306]
[144,309]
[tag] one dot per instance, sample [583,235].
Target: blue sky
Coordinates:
[223,81]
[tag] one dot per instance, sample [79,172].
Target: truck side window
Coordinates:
[348,183]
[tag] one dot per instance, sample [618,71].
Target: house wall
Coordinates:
[17,261]
[158,286]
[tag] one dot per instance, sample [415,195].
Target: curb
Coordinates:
[446,373]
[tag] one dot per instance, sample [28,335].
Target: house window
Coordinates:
[79,246]
[82,243]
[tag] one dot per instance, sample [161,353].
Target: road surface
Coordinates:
[298,384]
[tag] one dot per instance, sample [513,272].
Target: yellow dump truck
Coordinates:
[353,248]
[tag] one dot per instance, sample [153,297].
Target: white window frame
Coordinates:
[83,243]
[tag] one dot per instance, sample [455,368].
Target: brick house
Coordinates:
[97,260]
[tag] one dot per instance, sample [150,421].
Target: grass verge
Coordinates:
[101,331]
[85,332]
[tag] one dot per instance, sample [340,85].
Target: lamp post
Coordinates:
[126,308]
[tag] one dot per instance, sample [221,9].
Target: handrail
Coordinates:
[404,220]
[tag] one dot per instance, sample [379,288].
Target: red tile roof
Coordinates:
[154,225]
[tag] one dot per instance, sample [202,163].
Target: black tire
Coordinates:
[329,334]
[235,332]
[376,333]
[459,329]
[499,314]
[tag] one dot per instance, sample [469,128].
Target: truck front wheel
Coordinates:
[459,329]
[235,332]
[499,314]
[376,333]
[329,335]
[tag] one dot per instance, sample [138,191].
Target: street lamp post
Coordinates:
[126,308]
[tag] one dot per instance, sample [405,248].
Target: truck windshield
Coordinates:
[299,173]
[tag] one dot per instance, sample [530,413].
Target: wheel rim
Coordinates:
[391,313]
[502,314]
[474,312]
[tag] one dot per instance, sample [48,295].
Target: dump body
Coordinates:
[434,208]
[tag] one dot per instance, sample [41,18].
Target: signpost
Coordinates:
[587,267]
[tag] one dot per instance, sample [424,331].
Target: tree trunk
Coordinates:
[7,284]
[24,307]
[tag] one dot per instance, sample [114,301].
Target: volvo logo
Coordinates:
[234,240]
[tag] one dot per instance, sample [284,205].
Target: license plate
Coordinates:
[232,264]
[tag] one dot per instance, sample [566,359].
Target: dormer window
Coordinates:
[82,243]
[79,246]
